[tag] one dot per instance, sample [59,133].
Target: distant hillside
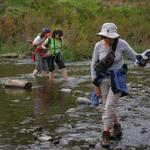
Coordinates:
[21,20]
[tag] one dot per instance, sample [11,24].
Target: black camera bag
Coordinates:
[107,61]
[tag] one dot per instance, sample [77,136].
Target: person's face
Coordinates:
[47,35]
[109,41]
[58,37]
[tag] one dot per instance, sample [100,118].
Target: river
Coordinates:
[46,109]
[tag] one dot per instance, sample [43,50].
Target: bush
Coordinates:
[80,20]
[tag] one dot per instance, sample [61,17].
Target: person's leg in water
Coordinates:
[109,116]
[44,66]
[38,68]
[60,62]
[64,74]
[51,67]
[104,87]
[51,75]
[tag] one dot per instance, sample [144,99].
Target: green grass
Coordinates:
[80,21]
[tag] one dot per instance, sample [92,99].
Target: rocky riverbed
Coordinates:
[58,116]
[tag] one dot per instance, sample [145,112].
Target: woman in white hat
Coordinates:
[107,59]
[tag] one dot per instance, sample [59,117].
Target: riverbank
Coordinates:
[80,21]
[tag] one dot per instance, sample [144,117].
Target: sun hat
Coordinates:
[109,30]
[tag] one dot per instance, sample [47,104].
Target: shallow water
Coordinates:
[45,109]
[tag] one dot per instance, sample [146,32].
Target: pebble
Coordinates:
[83,100]
[66,90]
[71,110]
[43,138]
[16,101]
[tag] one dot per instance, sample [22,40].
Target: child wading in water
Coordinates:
[41,42]
[56,51]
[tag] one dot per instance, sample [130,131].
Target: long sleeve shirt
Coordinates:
[100,52]
[38,40]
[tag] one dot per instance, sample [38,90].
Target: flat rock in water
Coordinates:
[83,100]
[10,55]
[65,90]
[18,84]
[71,110]
[44,138]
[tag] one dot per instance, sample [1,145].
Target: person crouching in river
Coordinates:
[41,42]
[107,65]
[56,51]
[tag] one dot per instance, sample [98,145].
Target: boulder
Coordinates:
[9,55]
[18,84]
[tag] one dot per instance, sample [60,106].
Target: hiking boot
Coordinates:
[117,132]
[105,139]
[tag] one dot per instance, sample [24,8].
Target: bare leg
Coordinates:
[34,72]
[64,73]
[51,76]
[116,119]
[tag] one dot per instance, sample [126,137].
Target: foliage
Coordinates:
[21,20]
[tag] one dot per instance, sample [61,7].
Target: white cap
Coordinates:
[109,30]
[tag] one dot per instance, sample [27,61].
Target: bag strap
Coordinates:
[115,44]
[54,46]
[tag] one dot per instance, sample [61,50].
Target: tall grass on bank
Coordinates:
[21,20]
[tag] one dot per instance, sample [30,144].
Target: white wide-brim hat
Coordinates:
[109,30]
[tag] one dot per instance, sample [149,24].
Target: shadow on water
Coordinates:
[26,115]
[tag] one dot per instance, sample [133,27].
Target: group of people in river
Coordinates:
[48,50]
[108,70]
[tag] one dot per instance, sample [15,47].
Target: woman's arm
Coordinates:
[131,53]
[94,60]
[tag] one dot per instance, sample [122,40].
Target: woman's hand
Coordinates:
[97,90]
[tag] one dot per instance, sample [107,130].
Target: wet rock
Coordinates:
[131,148]
[10,55]
[74,115]
[91,145]
[65,141]
[71,110]
[78,93]
[98,146]
[57,116]
[56,142]
[129,109]
[134,89]
[24,131]
[65,128]
[27,120]
[16,101]
[38,129]
[43,138]
[124,118]
[20,84]
[15,128]
[66,90]
[139,85]
[143,130]
[28,98]
[83,100]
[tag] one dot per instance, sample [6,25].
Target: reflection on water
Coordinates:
[18,105]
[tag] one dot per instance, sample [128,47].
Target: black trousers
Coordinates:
[58,59]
